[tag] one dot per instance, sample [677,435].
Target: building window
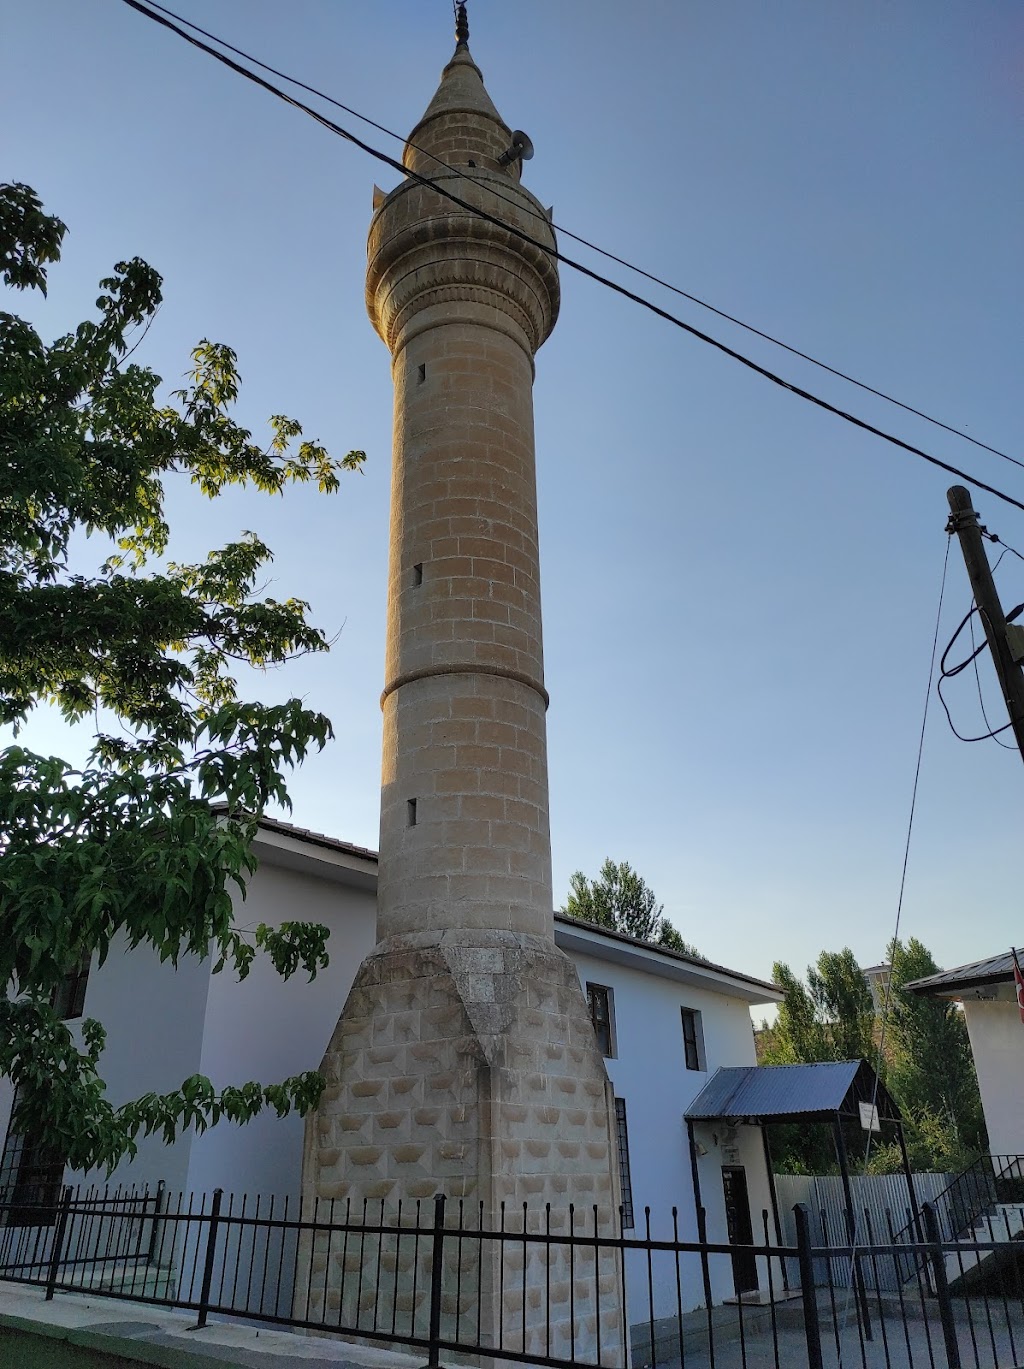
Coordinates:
[693,1046]
[625,1182]
[30,1179]
[599,996]
[68,998]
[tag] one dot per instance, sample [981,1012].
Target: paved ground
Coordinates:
[145,1335]
[992,1339]
[85,1330]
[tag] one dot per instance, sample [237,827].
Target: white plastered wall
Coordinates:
[649,1072]
[997,1041]
[153,1015]
[267,1029]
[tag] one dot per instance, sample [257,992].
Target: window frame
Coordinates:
[68,997]
[693,1048]
[625,1173]
[31,1178]
[597,992]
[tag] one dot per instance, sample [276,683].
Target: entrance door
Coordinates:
[737,1221]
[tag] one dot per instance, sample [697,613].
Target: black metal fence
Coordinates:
[991,1182]
[539,1286]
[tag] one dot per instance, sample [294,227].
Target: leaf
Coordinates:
[147,844]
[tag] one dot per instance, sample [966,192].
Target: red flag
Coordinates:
[1018,982]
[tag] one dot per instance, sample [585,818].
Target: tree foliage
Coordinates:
[919,1046]
[829,1018]
[621,900]
[143,845]
[930,1068]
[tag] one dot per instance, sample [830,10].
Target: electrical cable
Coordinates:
[557,255]
[585,242]
[948,672]
[993,537]
[886,1002]
[993,733]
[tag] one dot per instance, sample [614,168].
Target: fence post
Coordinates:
[705,1268]
[60,1230]
[436,1282]
[938,1259]
[211,1250]
[154,1230]
[812,1328]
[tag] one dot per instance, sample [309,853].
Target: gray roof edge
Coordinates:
[738,1091]
[994,969]
[306,834]
[289,829]
[697,962]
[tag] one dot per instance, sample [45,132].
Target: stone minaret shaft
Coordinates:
[463,305]
[465,1060]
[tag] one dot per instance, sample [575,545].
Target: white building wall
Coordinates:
[267,1028]
[997,1041]
[154,1018]
[164,1024]
[649,1072]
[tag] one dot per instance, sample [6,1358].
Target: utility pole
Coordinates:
[1006,655]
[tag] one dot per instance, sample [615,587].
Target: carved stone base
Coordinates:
[465,1063]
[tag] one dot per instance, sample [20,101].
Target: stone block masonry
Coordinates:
[465,1060]
[464,1064]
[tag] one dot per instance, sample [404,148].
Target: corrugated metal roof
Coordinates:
[997,969]
[774,1092]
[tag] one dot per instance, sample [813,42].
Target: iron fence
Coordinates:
[557,1289]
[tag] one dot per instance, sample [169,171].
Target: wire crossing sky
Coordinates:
[739,591]
[561,229]
[644,303]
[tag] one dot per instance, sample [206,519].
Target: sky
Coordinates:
[740,590]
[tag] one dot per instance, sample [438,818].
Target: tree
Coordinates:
[831,1018]
[930,1067]
[146,841]
[919,1046]
[620,899]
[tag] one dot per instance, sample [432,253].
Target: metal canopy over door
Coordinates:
[737,1221]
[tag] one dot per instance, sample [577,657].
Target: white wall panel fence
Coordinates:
[881,1206]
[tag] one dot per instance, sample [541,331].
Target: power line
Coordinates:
[557,255]
[992,732]
[948,672]
[585,242]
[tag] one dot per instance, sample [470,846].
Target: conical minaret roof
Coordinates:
[461,126]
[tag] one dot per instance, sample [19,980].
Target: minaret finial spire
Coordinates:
[461,24]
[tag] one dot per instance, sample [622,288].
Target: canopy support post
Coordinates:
[775,1199]
[851,1226]
[909,1176]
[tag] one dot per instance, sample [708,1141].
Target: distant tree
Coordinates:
[925,1060]
[621,900]
[928,1053]
[829,1018]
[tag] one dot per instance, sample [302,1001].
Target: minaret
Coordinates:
[465,1060]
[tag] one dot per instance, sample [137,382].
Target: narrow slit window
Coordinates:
[421,373]
[410,809]
[417,573]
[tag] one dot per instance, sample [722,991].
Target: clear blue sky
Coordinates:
[739,590]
